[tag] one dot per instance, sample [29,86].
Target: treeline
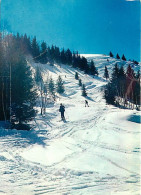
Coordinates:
[123,87]
[42,53]
[122,57]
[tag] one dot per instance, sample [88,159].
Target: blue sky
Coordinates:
[89,26]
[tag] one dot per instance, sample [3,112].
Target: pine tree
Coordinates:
[51,88]
[80,82]
[115,79]
[117,56]
[35,50]
[23,92]
[109,93]
[52,55]
[28,45]
[79,62]
[106,73]
[111,55]
[63,57]
[43,57]
[130,76]
[84,93]
[60,85]
[115,72]
[68,56]
[121,82]
[111,89]
[93,70]
[25,44]
[123,57]
[57,54]
[76,76]
[74,60]
[18,38]
[130,72]
[83,65]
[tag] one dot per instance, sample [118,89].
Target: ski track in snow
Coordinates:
[96,151]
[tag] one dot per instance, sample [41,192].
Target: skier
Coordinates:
[62,110]
[86,103]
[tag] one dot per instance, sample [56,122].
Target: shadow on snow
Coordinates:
[28,137]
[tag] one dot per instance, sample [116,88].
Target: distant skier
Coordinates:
[86,103]
[62,110]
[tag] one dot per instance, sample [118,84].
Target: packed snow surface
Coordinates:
[96,151]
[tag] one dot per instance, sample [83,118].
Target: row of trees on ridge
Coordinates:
[123,57]
[45,54]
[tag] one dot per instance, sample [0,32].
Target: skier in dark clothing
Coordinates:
[62,110]
[86,103]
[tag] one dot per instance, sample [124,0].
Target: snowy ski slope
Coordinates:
[95,152]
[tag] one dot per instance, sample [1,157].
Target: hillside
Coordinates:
[95,151]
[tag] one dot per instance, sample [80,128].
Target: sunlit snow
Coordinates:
[96,151]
